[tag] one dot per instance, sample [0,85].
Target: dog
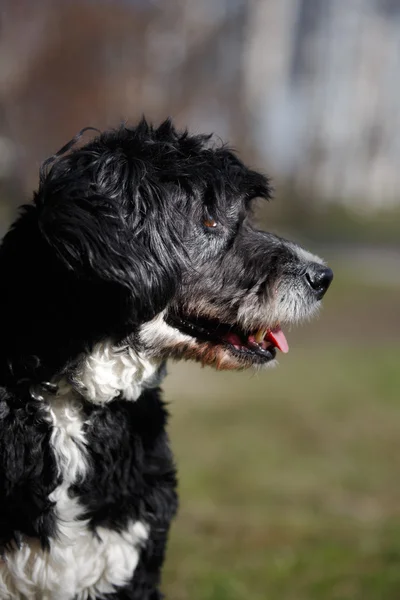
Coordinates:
[138,247]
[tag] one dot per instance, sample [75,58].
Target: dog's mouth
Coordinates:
[258,346]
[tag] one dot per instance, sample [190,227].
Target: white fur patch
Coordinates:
[158,334]
[108,371]
[80,564]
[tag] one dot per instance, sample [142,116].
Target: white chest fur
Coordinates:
[79,564]
[107,371]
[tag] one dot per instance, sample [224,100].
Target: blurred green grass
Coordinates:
[290,478]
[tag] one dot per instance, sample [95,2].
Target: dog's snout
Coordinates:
[319,278]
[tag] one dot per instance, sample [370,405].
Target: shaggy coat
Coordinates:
[138,247]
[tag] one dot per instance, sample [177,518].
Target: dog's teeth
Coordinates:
[260,335]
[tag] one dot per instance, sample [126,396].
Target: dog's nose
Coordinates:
[319,278]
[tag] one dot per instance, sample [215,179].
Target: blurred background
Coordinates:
[290,478]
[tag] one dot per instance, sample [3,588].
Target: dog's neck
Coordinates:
[110,371]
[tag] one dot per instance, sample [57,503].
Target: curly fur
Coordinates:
[138,247]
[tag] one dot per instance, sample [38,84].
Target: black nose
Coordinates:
[319,278]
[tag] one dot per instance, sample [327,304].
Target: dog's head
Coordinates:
[149,233]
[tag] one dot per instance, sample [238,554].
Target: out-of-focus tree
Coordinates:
[309,88]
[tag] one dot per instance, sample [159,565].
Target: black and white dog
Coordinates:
[138,247]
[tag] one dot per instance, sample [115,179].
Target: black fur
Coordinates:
[120,230]
[132,477]
[27,469]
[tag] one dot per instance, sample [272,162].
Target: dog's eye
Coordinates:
[210,222]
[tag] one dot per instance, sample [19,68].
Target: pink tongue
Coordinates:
[277,337]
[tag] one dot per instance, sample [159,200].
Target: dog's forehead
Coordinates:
[192,161]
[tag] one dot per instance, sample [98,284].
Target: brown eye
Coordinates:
[209,222]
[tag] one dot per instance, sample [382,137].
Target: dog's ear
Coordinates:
[108,225]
